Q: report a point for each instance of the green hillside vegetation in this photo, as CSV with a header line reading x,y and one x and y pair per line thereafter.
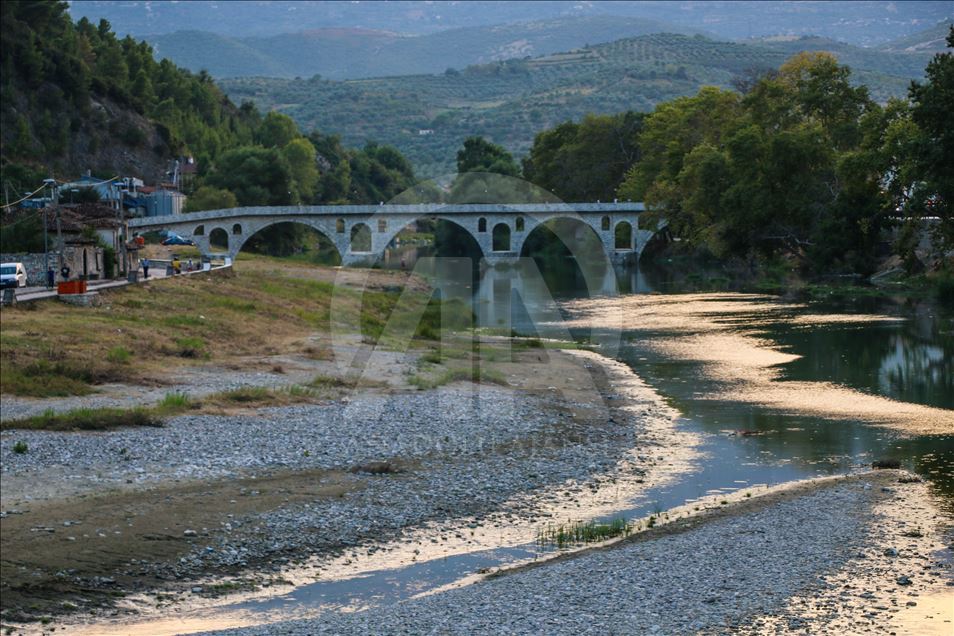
x,y
508,102
76,97
340,54
931,40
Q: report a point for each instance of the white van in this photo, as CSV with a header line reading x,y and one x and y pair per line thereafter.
x,y
12,275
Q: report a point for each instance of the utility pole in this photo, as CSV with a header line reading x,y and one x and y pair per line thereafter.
x,y
59,227
46,241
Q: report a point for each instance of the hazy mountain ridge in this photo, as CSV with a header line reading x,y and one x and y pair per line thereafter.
x,y
867,23
427,116
338,53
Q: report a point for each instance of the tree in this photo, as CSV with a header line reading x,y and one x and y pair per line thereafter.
x,y
300,155
209,198
585,161
256,175
276,130
480,155
932,112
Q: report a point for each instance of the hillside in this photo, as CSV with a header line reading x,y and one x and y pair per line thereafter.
x,y
337,53
509,102
75,98
860,22
930,40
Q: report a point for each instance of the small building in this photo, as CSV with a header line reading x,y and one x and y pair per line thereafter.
x,y
161,201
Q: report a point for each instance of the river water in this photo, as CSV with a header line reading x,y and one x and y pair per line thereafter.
x,y
773,390
898,350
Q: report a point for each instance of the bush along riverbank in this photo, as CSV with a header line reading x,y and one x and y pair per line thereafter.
x,y
681,270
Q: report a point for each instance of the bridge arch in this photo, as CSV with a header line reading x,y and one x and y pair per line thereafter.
x,y
237,229
218,237
323,229
501,237
360,241
570,250
474,238
199,231
623,236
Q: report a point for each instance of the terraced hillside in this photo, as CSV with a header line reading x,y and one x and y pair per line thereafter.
x,y
427,116
340,53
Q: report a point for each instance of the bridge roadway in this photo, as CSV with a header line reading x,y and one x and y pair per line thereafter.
x,y
361,233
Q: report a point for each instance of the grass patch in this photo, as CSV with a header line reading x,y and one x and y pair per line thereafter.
x,y
53,349
263,396
321,381
119,355
174,402
477,375
43,379
191,347
20,447
87,420
582,533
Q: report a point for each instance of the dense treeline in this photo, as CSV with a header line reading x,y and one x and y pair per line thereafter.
x,y
799,163
65,82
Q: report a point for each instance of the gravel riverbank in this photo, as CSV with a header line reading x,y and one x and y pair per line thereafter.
x,y
740,573
463,457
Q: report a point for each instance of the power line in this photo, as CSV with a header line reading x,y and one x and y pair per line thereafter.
x,y
9,205
87,185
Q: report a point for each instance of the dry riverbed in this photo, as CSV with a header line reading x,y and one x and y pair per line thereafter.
x,y
105,524
863,554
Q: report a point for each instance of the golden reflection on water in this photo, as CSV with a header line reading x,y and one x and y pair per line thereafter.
x,y
717,330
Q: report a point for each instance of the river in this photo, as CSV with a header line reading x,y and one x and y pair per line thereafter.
x,y
774,390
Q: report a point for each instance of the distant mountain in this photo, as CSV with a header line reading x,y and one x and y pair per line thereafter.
x,y
428,116
931,40
866,23
340,53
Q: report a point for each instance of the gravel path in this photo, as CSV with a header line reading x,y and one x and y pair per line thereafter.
x,y
720,577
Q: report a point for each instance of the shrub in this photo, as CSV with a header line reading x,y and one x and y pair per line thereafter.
x,y
119,355
20,447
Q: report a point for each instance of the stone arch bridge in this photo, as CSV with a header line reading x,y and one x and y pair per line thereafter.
x,y
361,233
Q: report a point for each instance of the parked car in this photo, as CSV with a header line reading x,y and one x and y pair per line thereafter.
x,y
175,239
13,275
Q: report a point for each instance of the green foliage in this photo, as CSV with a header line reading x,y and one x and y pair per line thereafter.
x,y
255,175
23,235
87,420
793,167
300,155
582,532
276,131
20,447
175,401
210,198
932,112
119,355
585,161
54,68
480,155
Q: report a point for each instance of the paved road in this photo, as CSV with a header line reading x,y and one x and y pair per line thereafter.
x,y
38,292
